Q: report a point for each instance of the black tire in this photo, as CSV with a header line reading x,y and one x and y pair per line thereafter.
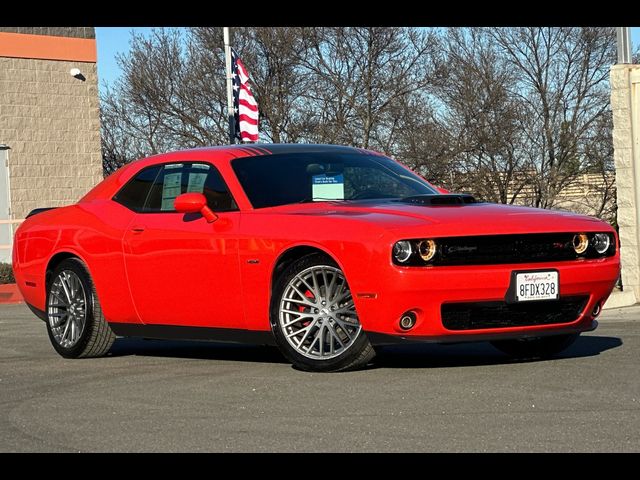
x,y
97,337
357,355
539,347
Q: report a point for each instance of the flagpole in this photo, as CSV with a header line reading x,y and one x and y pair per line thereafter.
x,y
230,112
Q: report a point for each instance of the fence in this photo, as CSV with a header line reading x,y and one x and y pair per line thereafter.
x,y
7,246
587,194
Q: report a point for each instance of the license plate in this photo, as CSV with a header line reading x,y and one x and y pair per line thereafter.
x,y
537,286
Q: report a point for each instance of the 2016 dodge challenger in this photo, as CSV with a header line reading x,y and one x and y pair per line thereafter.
x,y
326,251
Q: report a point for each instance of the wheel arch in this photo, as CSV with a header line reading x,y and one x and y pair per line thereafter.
x,y
293,253
56,260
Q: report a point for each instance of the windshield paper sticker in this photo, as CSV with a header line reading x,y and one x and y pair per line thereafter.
x,y
196,182
170,190
327,187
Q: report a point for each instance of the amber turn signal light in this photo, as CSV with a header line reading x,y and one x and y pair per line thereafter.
x,y
427,249
580,243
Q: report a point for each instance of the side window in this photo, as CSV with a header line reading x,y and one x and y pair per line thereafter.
x,y
165,189
178,178
134,194
215,190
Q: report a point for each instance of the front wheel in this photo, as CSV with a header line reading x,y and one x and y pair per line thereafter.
x,y
539,347
314,320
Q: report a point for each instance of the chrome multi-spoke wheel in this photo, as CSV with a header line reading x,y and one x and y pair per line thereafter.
x,y
314,317
67,308
75,323
317,313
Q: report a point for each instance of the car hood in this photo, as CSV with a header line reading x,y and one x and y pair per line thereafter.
x,y
451,220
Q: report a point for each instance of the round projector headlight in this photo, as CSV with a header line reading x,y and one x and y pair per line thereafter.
x,y
427,249
580,243
402,251
601,242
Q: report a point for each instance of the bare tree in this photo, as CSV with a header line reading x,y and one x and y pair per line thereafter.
x,y
171,95
563,84
358,75
482,117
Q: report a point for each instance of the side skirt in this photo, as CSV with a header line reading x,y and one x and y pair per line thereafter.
x,y
172,332
38,313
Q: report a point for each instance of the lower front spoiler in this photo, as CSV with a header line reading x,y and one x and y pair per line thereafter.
x,y
381,339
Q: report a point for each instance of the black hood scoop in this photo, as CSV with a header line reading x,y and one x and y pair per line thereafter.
x,y
437,200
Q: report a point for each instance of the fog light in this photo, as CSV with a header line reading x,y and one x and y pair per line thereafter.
x,y
408,320
402,251
601,242
427,249
580,243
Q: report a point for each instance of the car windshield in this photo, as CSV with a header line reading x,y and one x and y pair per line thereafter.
x,y
283,179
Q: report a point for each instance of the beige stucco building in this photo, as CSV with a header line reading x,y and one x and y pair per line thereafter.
x,y
49,119
625,105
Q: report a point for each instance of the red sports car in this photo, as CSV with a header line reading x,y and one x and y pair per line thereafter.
x,y
325,250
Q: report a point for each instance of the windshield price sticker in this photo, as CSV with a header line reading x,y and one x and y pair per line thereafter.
x,y
170,190
327,187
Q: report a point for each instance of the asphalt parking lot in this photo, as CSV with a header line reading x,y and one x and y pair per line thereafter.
x,y
170,396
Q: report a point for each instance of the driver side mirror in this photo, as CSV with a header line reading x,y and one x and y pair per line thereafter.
x,y
194,203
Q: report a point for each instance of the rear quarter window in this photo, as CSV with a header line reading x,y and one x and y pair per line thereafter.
x,y
134,194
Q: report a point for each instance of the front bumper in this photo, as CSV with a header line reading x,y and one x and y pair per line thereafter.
x,y
424,290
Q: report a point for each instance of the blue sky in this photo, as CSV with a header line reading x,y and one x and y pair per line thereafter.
x,y
114,40
111,41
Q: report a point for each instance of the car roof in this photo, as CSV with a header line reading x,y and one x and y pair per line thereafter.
x,y
258,149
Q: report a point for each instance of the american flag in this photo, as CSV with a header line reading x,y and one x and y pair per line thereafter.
x,y
245,106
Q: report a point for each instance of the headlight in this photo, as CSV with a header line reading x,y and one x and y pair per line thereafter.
x,y
580,243
402,251
601,242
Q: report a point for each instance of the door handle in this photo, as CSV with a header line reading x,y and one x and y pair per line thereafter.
x,y
138,229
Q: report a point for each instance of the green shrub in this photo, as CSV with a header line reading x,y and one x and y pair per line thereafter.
x,y
6,274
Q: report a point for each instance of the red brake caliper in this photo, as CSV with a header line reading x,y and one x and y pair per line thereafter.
x,y
301,308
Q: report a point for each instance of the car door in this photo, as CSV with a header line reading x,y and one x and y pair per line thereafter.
x,y
181,269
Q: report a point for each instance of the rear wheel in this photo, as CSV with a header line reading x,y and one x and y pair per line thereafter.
x,y
539,347
314,320
75,322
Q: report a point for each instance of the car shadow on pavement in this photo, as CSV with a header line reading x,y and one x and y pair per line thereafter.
x,y
398,356
476,354
195,350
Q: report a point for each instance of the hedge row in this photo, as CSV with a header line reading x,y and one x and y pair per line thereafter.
x,y
6,274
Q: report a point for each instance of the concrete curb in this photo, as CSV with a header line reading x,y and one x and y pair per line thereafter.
x,y
9,294
620,314
619,299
